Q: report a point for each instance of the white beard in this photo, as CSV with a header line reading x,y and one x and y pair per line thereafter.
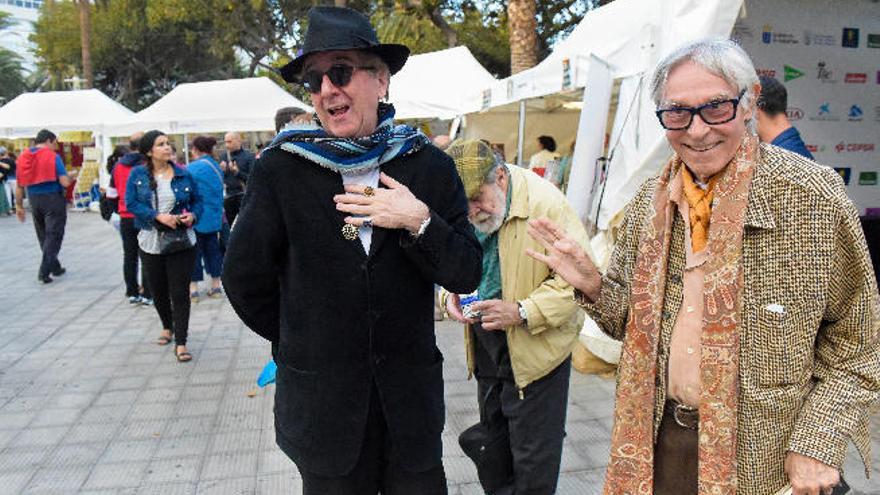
x,y
489,223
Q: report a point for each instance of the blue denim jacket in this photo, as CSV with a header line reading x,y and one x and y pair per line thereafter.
x,y
139,196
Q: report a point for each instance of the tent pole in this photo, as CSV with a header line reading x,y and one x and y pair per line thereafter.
x,y
521,132
186,148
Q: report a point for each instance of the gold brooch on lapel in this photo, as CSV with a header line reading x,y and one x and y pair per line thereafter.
x,y
349,232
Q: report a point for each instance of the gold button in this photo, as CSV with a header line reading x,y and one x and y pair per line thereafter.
x,y
690,309
690,350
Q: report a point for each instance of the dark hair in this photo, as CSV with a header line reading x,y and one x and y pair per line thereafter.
x,y
284,115
205,144
45,135
547,142
146,146
113,159
135,144
774,98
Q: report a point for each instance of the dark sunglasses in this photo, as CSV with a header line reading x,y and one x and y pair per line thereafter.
x,y
339,75
712,113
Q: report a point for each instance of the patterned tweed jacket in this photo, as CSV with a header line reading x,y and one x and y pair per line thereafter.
x,y
810,317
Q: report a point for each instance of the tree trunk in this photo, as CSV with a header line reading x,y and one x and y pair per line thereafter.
x,y
523,29
450,34
85,32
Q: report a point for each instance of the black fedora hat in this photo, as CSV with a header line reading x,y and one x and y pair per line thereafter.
x,y
341,28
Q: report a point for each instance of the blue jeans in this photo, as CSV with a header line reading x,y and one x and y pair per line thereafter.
x,y
208,256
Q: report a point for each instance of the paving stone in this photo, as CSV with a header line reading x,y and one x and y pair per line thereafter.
x,y
54,480
142,429
21,459
230,465
235,441
181,469
80,454
273,484
152,411
132,450
119,475
94,432
56,417
40,437
274,461
14,482
167,489
185,446
241,486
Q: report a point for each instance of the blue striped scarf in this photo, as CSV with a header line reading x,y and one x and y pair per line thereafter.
x,y
352,155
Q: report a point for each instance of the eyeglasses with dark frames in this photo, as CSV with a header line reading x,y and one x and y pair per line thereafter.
x,y
339,75
713,113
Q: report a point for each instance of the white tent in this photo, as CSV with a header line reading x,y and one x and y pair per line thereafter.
x,y
213,106
59,111
624,40
435,85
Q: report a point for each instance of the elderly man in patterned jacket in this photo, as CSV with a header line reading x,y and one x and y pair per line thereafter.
x,y
743,292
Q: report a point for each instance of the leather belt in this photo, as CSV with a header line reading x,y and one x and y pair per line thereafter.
x,y
684,416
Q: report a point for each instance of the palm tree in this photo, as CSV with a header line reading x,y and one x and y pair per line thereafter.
x,y
12,81
85,32
523,35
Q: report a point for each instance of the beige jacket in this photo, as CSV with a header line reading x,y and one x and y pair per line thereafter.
x,y
810,342
554,317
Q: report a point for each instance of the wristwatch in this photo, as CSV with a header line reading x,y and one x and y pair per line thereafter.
x,y
523,314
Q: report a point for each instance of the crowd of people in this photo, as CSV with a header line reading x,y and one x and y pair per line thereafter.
x,y
740,282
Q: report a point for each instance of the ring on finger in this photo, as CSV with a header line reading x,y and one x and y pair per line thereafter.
x,y
368,222
369,191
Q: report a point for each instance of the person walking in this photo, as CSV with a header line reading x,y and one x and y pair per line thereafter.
x,y
42,176
8,172
5,170
209,178
519,347
165,202
345,229
127,230
236,170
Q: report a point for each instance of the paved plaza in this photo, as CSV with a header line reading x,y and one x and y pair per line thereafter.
x,y
89,404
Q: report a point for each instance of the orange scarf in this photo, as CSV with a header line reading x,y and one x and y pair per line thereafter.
x,y
700,202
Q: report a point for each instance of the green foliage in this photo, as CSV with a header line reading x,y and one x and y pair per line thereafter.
x,y
140,49
12,78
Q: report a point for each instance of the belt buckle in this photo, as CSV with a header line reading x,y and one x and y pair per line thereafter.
x,y
681,408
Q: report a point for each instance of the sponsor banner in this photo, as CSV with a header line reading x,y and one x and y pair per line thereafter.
x,y
850,37
793,73
825,113
868,178
794,113
819,39
855,114
845,173
768,35
824,73
856,78
842,147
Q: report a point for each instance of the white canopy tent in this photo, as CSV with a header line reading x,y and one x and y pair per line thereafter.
x,y
435,85
624,40
59,111
213,106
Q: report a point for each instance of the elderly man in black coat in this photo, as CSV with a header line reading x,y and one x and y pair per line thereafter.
x,y
345,229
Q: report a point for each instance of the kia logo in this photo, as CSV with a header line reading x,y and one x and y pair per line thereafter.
x,y
794,113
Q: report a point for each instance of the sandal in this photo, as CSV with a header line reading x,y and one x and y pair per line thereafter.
x,y
164,339
183,357
215,292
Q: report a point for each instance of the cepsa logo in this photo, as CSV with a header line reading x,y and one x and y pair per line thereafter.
x,y
856,78
766,72
812,148
794,113
842,147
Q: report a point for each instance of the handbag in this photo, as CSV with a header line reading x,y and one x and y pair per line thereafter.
x,y
108,206
170,240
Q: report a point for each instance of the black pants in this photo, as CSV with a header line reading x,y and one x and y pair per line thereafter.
x,y
168,277
231,205
375,472
535,419
50,218
130,259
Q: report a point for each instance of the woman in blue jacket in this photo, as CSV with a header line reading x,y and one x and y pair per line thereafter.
x,y
165,198
209,180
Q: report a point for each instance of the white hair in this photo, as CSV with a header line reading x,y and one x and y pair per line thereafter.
x,y
721,57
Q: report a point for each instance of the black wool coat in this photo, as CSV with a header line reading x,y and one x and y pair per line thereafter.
x,y
341,320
